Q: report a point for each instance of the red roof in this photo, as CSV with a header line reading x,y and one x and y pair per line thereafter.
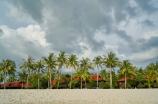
x,y
15,84
123,79
77,79
95,78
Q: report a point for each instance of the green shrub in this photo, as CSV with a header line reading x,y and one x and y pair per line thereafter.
x,y
156,85
91,83
140,86
88,85
103,85
127,86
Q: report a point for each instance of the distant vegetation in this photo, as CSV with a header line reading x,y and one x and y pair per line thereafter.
x,y
40,72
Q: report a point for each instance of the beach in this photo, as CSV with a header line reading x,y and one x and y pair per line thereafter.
x,y
79,96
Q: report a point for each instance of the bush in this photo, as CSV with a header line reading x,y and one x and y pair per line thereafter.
x,y
103,85
88,85
127,86
156,85
91,83
140,86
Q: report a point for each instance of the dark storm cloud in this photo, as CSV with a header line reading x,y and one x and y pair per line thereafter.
x,y
122,34
146,5
76,22
151,43
32,7
67,23
148,23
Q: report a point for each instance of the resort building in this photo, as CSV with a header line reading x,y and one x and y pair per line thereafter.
x,y
15,85
63,81
122,81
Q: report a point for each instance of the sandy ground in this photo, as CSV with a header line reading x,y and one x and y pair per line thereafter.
x,y
79,96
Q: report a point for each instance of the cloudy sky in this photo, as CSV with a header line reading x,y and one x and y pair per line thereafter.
x,y
87,28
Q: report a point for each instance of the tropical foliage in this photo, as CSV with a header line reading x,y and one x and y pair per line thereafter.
x,y
110,61
7,67
73,64
97,62
126,68
40,73
104,85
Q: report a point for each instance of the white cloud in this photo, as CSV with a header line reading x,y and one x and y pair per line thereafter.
x,y
147,55
25,41
150,34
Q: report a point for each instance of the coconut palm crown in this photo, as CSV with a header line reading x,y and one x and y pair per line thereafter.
x,y
8,67
110,61
50,63
125,68
97,61
62,60
28,64
72,63
39,65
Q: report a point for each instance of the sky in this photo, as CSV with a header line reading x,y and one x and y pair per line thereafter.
x,y
86,28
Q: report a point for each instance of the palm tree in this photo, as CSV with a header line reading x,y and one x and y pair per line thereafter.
x,y
51,63
103,74
28,64
61,62
111,61
82,74
126,67
39,65
8,66
22,76
72,63
86,64
152,71
97,61
12,78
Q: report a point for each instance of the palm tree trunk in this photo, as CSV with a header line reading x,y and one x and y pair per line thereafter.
x,y
59,78
81,82
27,78
71,79
27,82
50,77
97,76
110,78
48,83
22,84
38,78
156,78
58,81
85,82
5,80
125,80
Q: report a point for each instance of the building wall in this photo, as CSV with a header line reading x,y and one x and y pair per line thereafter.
x,y
120,84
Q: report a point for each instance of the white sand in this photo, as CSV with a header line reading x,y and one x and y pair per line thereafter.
x,y
78,96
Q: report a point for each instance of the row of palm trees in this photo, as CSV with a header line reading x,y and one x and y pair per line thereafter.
x,y
54,63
